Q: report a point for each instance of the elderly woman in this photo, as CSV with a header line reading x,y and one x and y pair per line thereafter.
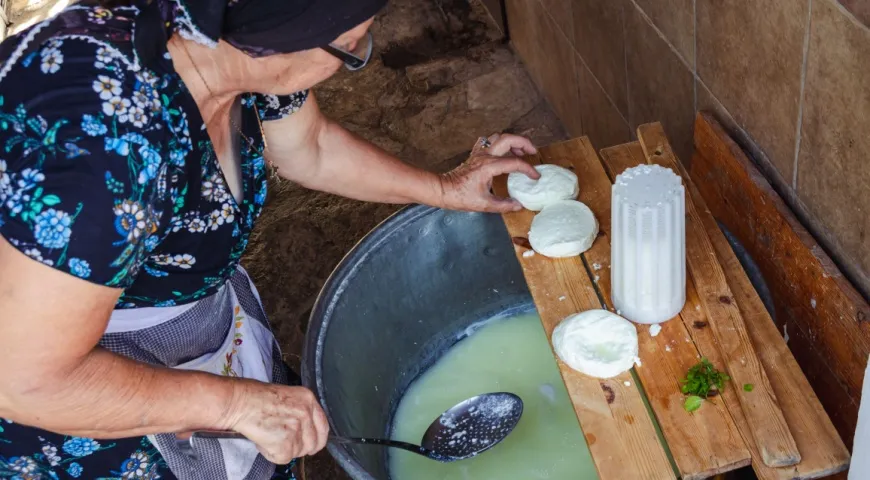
x,y
135,146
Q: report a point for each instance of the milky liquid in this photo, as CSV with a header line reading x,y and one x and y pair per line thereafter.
x,y
510,355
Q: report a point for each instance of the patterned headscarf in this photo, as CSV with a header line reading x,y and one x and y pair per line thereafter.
x,y
257,27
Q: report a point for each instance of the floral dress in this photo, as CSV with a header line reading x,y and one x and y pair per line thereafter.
x,y
107,173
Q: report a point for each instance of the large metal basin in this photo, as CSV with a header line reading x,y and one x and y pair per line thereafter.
x,y
401,297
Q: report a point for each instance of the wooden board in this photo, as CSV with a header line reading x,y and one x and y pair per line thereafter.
x,y
760,406
822,451
826,319
620,434
705,442
622,157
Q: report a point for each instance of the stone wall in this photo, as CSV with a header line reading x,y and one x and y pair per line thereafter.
x,y
789,78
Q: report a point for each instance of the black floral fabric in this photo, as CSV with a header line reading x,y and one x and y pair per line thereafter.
x,y
107,173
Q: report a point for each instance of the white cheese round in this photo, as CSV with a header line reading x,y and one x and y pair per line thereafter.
x,y
597,343
563,229
556,183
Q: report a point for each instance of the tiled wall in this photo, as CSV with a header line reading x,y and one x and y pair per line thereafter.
x,y
789,78
496,9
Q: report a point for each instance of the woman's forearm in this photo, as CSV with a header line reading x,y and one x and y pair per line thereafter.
x,y
109,396
349,166
317,153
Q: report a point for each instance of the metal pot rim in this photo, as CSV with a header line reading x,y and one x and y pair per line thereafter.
x,y
318,322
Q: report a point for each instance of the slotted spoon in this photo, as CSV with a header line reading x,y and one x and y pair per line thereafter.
x,y
468,429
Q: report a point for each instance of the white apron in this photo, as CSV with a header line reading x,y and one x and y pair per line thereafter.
x,y
860,469
224,334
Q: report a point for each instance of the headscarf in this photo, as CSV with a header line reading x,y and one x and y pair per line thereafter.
x,y
257,27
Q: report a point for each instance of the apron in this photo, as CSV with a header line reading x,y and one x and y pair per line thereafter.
x,y
225,334
860,469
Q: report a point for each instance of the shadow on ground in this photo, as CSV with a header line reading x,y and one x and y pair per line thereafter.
x,y
442,77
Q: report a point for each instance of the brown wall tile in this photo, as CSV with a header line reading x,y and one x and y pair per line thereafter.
x,y
750,54
525,24
707,102
549,58
598,26
833,174
859,8
602,122
560,81
676,20
523,28
495,11
561,12
660,86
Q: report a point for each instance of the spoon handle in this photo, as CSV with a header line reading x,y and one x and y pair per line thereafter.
x,y
218,435
336,439
385,443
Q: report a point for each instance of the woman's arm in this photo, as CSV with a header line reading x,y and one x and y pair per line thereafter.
x,y
53,376
317,153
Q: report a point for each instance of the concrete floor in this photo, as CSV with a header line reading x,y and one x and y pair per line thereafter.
x,y
442,76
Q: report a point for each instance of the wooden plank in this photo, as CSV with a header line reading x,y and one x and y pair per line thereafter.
x,y
622,157
760,407
823,452
825,318
703,443
621,437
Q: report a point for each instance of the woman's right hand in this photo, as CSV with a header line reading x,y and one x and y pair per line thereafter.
x,y
284,422
469,186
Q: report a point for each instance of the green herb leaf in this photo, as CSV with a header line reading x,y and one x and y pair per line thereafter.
x,y
703,380
748,387
50,200
693,403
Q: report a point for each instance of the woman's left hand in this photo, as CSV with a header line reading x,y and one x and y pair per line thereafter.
x,y
468,187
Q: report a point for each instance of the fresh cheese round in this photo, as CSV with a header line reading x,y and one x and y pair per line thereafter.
x,y
597,343
563,229
556,183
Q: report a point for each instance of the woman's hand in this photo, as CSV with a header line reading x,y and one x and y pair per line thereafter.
x,y
284,422
468,187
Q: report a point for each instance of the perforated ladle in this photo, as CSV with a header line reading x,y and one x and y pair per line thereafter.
x,y
469,428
